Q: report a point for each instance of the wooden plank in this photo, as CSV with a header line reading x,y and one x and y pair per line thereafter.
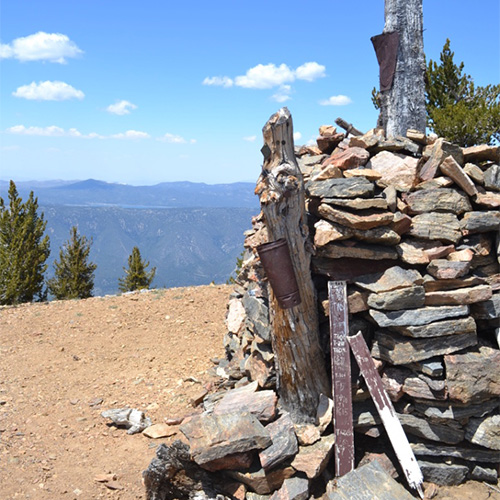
x,y
341,378
387,414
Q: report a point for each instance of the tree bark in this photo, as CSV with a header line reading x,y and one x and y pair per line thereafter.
x,y
402,107
300,365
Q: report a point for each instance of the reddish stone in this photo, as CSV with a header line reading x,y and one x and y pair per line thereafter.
x,y
326,144
401,223
446,269
454,171
313,459
473,376
262,404
350,158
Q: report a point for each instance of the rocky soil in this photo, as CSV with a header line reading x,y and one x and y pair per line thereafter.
x,y
63,363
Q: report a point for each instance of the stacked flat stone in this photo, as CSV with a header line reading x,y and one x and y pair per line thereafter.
x,y
413,226
425,218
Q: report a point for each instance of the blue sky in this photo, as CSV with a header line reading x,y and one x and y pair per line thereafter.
x,y
155,91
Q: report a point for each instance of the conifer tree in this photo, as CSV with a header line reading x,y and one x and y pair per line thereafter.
x,y
136,277
74,274
457,109
23,249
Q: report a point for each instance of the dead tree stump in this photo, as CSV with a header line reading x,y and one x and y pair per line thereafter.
x,y
402,100
300,366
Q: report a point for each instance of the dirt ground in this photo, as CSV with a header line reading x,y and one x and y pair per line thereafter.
x,y
63,363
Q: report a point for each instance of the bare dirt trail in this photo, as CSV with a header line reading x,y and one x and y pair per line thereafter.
x,y
63,363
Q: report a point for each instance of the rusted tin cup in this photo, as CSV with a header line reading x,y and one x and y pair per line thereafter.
x,y
275,258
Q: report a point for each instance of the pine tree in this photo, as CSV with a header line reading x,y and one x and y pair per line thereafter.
x,y
136,277
456,108
23,249
74,274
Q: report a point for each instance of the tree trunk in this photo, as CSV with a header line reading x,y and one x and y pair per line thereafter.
x,y
402,107
300,365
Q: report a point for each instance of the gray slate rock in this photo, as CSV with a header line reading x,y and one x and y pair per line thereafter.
x,y
445,412
415,317
470,454
358,203
434,367
294,488
492,178
257,316
489,309
358,251
434,432
443,474
487,474
438,200
368,482
480,222
391,279
400,350
213,437
438,328
284,443
484,432
310,161
395,300
436,226
341,188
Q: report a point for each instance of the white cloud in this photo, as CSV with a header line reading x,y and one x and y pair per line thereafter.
x,y
121,108
297,136
131,134
221,81
250,138
6,51
48,91
283,94
174,139
310,71
51,131
41,46
15,147
336,100
54,131
267,76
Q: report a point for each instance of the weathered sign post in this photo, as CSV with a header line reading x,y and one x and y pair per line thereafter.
x,y
300,366
341,378
387,414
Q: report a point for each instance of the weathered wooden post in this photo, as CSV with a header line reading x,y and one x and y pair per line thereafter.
x,y
300,366
400,53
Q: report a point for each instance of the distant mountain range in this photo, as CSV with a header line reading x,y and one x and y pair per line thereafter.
x,y
192,233
164,195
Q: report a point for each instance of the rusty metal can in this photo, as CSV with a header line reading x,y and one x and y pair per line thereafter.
x,y
277,263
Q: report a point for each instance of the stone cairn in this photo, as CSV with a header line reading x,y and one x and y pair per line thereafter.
x,y
413,226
